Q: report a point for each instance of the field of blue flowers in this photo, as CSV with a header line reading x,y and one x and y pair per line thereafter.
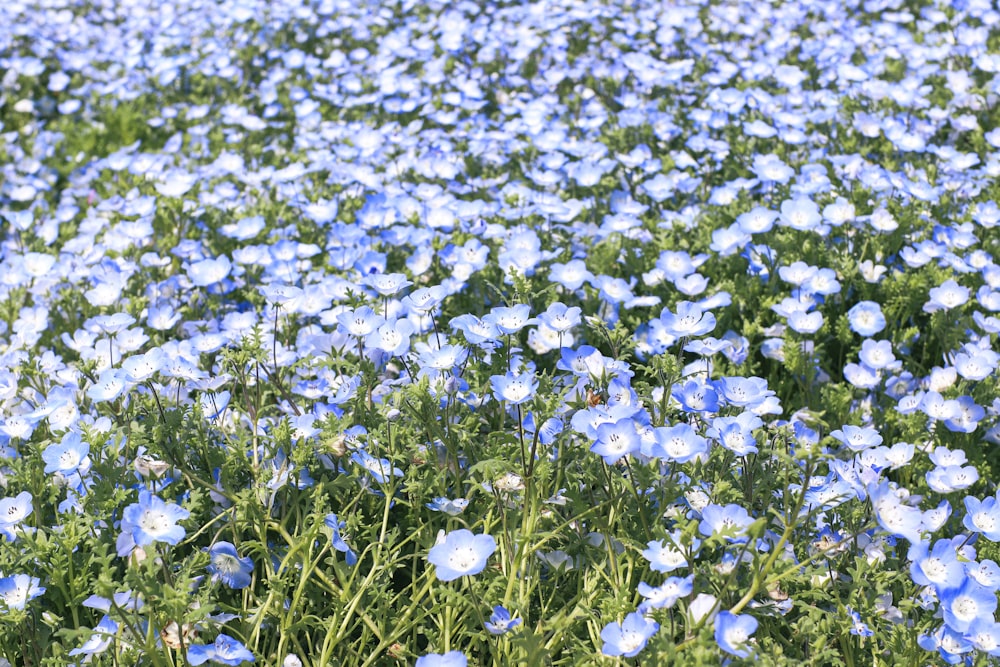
x,y
564,332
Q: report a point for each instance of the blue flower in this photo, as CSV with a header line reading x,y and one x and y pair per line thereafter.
x,y
857,438
338,543
696,396
387,284
983,517
736,433
359,322
100,641
381,469
666,594
461,553
984,633
17,590
680,443
616,440
450,659
514,388
150,520
110,385
733,631
67,456
730,522
226,651
12,512
858,627
228,567
946,296
866,318
209,271
893,516
501,622
510,320
961,606
689,321
668,555
629,637
448,506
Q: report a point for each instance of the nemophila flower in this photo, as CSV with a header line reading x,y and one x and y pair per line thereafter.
x,y
866,318
983,516
857,438
550,428
142,367
938,408
461,553
744,392
689,321
975,367
478,332
387,284
967,417
729,521
226,651
696,396
110,385
381,469
393,337
560,318
337,541
963,605
209,271
942,456
871,272
227,566
984,634
100,641
858,627
448,506
17,590
150,520
800,213
757,221
947,479
892,515
669,554
899,455
424,300
19,426
771,168
67,456
666,595
946,296
797,273
736,433
359,322
876,354
733,632
680,443
501,622
514,388
629,637
615,440
510,320
449,659
12,512
949,644
805,323
571,275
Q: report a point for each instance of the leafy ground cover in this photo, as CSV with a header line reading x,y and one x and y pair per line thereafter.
x,y
444,333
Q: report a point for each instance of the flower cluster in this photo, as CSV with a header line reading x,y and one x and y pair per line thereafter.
x,y
676,326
